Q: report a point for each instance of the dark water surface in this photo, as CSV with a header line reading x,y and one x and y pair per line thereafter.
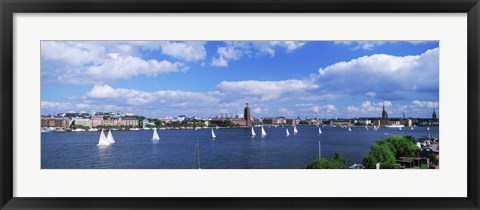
x,y
232,149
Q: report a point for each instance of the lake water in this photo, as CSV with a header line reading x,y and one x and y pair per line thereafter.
x,y
232,149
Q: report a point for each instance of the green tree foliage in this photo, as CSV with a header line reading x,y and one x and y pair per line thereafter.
x,y
339,158
323,163
388,150
380,153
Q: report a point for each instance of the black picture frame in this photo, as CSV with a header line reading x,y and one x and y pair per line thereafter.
x,y
9,7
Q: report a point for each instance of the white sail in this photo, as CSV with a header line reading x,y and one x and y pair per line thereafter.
x,y
253,132
428,128
366,127
349,129
288,133
213,134
263,132
411,128
110,137
102,141
295,131
155,135
399,128
319,131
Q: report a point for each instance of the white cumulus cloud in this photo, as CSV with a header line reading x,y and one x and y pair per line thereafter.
x,y
266,90
187,51
235,50
128,66
427,104
389,77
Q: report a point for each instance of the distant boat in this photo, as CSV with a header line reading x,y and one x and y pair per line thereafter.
x,y
49,130
155,135
295,131
92,129
110,137
366,127
411,128
319,131
213,134
400,128
253,132
134,129
349,129
263,132
103,141
78,130
428,128
216,127
288,133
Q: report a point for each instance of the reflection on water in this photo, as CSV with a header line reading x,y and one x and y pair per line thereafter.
x,y
231,149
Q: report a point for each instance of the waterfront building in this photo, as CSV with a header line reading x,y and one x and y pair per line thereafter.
x,y
289,121
97,122
113,121
280,121
54,122
246,114
239,121
128,121
83,122
267,121
344,122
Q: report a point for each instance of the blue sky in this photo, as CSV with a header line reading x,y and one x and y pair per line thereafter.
x,y
322,79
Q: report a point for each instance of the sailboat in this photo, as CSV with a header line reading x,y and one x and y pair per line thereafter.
x,y
288,133
349,129
213,134
155,135
253,132
319,131
110,137
400,128
428,128
103,141
366,127
411,128
263,132
295,131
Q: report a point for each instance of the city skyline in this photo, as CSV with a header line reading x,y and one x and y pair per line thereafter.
x,y
323,79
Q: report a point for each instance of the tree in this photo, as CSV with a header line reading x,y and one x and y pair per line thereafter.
x,y
388,150
380,153
339,158
323,163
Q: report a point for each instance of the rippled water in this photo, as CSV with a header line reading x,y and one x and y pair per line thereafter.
x,y
232,149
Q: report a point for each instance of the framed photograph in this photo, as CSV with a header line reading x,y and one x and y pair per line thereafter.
x,y
239,105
